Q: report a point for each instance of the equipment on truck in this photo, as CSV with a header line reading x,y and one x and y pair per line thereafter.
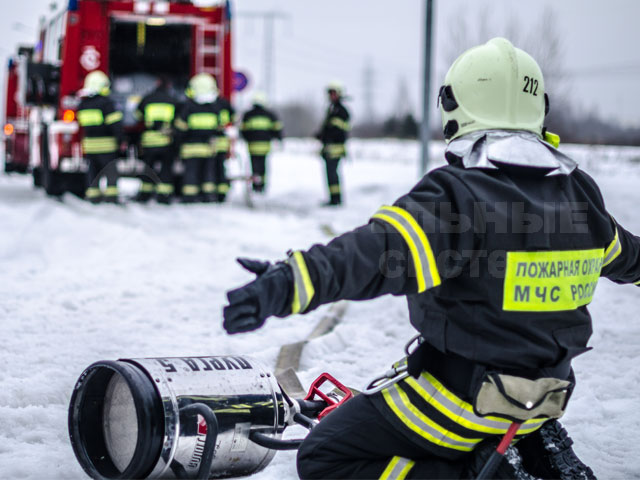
x,y
134,43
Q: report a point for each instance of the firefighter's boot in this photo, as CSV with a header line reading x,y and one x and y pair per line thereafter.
x,y
510,466
547,454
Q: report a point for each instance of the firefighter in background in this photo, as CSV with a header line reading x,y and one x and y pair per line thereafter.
x,y
223,147
260,126
498,275
333,136
101,131
198,126
157,110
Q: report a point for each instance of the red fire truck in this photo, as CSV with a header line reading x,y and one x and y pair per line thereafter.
x,y
134,42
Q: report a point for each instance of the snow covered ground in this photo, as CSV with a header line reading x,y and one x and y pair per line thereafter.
x,y
80,283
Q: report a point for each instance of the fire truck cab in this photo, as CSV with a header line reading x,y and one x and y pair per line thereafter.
x,y
134,42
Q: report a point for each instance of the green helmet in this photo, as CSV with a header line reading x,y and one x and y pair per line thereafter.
x,y
97,82
202,84
494,86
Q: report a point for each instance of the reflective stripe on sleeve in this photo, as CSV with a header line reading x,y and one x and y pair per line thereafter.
x,y
613,250
181,124
397,469
419,246
257,123
340,123
422,425
334,150
113,117
303,290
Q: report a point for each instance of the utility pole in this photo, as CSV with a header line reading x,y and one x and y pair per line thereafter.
x,y
368,80
425,130
268,17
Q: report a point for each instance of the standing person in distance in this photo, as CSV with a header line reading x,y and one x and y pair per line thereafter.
x,y
333,135
157,110
101,131
498,271
198,127
223,147
259,127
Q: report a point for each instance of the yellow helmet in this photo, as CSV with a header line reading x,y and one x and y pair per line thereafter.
x,y
335,86
202,84
494,86
260,98
97,82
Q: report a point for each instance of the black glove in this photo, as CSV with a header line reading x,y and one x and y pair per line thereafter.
x,y
269,294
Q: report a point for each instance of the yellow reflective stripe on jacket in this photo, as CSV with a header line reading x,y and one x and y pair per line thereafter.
x,y
613,250
196,150
335,150
181,124
340,123
425,427
257,123
90,117
202,121
99,144
419,246
551,281
276,126
159,112
154,138
112,118
222,144
446,402
303,290
225,117
397,469
259,148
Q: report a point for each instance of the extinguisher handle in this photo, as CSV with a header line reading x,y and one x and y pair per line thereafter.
x,y
332,403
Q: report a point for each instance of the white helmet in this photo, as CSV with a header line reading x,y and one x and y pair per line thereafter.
x,y
96,82
493,86
260,98
202,84
335,86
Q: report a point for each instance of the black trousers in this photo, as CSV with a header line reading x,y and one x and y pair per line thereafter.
x,y
102,164
192,179
259,170
333,179
159,172
355,441
220,175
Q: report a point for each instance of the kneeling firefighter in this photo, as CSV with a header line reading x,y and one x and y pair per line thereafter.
x,y
101,132
497,275
198,126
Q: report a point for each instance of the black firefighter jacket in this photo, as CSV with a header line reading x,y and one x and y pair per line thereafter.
x,y
101,125
497,265
334,131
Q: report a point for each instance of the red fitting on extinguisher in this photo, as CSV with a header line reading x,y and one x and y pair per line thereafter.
x,y
332,403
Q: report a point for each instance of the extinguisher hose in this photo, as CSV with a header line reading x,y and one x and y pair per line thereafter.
x,y
274,443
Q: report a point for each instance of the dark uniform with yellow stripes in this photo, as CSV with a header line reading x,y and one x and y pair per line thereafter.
x,y
223,148
198,127
498,262
158,111
333,136
259,127
101,130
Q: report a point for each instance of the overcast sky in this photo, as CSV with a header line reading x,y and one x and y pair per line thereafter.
x,y
317,41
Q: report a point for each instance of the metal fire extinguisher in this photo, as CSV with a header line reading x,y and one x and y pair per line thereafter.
x,y
188,417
